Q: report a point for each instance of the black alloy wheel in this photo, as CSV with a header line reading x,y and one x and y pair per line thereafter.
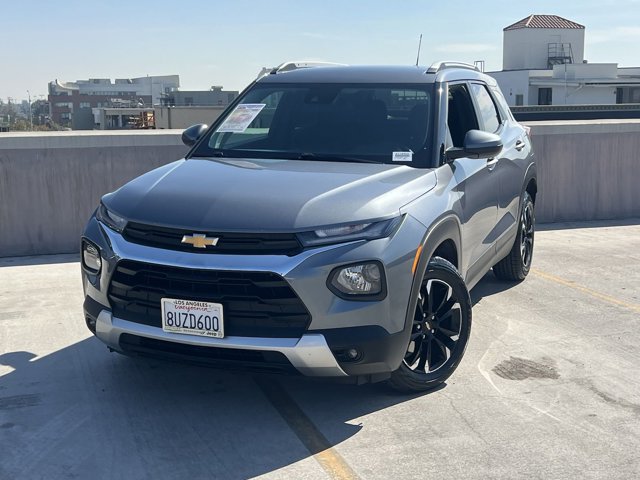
x,y
526,236
440,330
436,327
516,265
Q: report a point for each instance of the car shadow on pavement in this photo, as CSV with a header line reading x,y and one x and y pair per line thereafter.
x,y
489,285
84,412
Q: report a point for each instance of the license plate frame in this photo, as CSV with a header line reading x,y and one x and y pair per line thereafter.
x,y
192,317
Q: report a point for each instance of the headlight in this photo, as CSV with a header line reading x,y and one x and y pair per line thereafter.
x,y
91,257
110,219
364,281
347,233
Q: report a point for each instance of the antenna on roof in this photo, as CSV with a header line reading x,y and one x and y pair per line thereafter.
x,y
419,45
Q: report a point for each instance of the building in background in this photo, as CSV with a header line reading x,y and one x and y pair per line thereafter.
x,y
151,118
134,103
183,117
177,109
71,103
123,118
214,97
543,64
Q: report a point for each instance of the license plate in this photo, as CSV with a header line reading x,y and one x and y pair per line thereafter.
x,y
191,317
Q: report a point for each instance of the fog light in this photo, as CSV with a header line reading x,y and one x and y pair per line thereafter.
x,y
358,279
352,354
91,323
91,257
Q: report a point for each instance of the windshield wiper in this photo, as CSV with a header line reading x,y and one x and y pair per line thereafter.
x,y
332,158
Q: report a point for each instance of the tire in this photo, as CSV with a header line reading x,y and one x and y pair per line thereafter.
x,y
440,332
515,266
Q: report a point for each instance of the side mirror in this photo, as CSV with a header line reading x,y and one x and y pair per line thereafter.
x,y
477,144
191,135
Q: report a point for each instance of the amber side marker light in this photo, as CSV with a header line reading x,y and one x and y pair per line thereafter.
x,y
416,259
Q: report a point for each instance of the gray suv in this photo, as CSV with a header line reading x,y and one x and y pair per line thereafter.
x,y
331,223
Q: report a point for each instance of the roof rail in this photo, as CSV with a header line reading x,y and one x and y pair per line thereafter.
x,y
437,66
289,66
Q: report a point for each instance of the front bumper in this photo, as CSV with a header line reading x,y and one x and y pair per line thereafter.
x,y
377,329
310,355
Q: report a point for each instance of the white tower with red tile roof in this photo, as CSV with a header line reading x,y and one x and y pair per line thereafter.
x,y
541,41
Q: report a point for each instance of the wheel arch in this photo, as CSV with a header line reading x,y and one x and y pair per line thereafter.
x,y
530,184
532,189
443,239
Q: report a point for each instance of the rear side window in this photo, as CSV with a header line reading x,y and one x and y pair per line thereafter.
x,y
487,109
503,106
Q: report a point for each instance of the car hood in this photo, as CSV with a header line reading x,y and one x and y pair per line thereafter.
x,y
217,194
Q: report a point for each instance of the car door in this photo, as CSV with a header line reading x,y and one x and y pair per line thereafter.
x,y
476,186
509,171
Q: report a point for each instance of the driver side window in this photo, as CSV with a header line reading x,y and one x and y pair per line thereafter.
x,y
461,116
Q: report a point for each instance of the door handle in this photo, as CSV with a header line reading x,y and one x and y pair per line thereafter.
x,y
520,145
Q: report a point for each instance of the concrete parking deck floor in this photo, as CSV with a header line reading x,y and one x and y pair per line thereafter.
x,y
549,388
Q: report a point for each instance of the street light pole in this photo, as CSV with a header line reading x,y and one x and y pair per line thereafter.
x,y
30,113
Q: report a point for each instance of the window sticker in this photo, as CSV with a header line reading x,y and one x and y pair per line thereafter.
x,y
241,117
402,156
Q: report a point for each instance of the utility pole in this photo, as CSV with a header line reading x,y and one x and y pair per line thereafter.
x,y
9,115
30,113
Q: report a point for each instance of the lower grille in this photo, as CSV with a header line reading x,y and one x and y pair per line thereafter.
x,y
255,304
228,358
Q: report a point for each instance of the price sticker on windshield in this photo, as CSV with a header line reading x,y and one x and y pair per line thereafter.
x,y
241,117
402,156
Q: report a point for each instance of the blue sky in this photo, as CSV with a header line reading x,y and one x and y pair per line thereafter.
x,y
227,42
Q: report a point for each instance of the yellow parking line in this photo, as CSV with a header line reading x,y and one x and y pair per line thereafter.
x,y
601,296
317,444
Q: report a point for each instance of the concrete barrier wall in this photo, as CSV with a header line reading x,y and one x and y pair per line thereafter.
x,y
587,169
51,182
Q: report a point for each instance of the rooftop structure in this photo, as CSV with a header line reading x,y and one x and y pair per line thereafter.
x,y
544,21
71,102
541,41
215,96
543,64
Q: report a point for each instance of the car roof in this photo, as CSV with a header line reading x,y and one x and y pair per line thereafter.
x,y
410,74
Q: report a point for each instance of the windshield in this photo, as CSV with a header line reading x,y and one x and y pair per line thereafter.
x,y
339,122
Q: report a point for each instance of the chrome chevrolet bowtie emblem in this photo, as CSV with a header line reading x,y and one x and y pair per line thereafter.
x,y
200,240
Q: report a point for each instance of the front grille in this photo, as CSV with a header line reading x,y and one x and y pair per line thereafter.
x,y
228,243
255,304
255,360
